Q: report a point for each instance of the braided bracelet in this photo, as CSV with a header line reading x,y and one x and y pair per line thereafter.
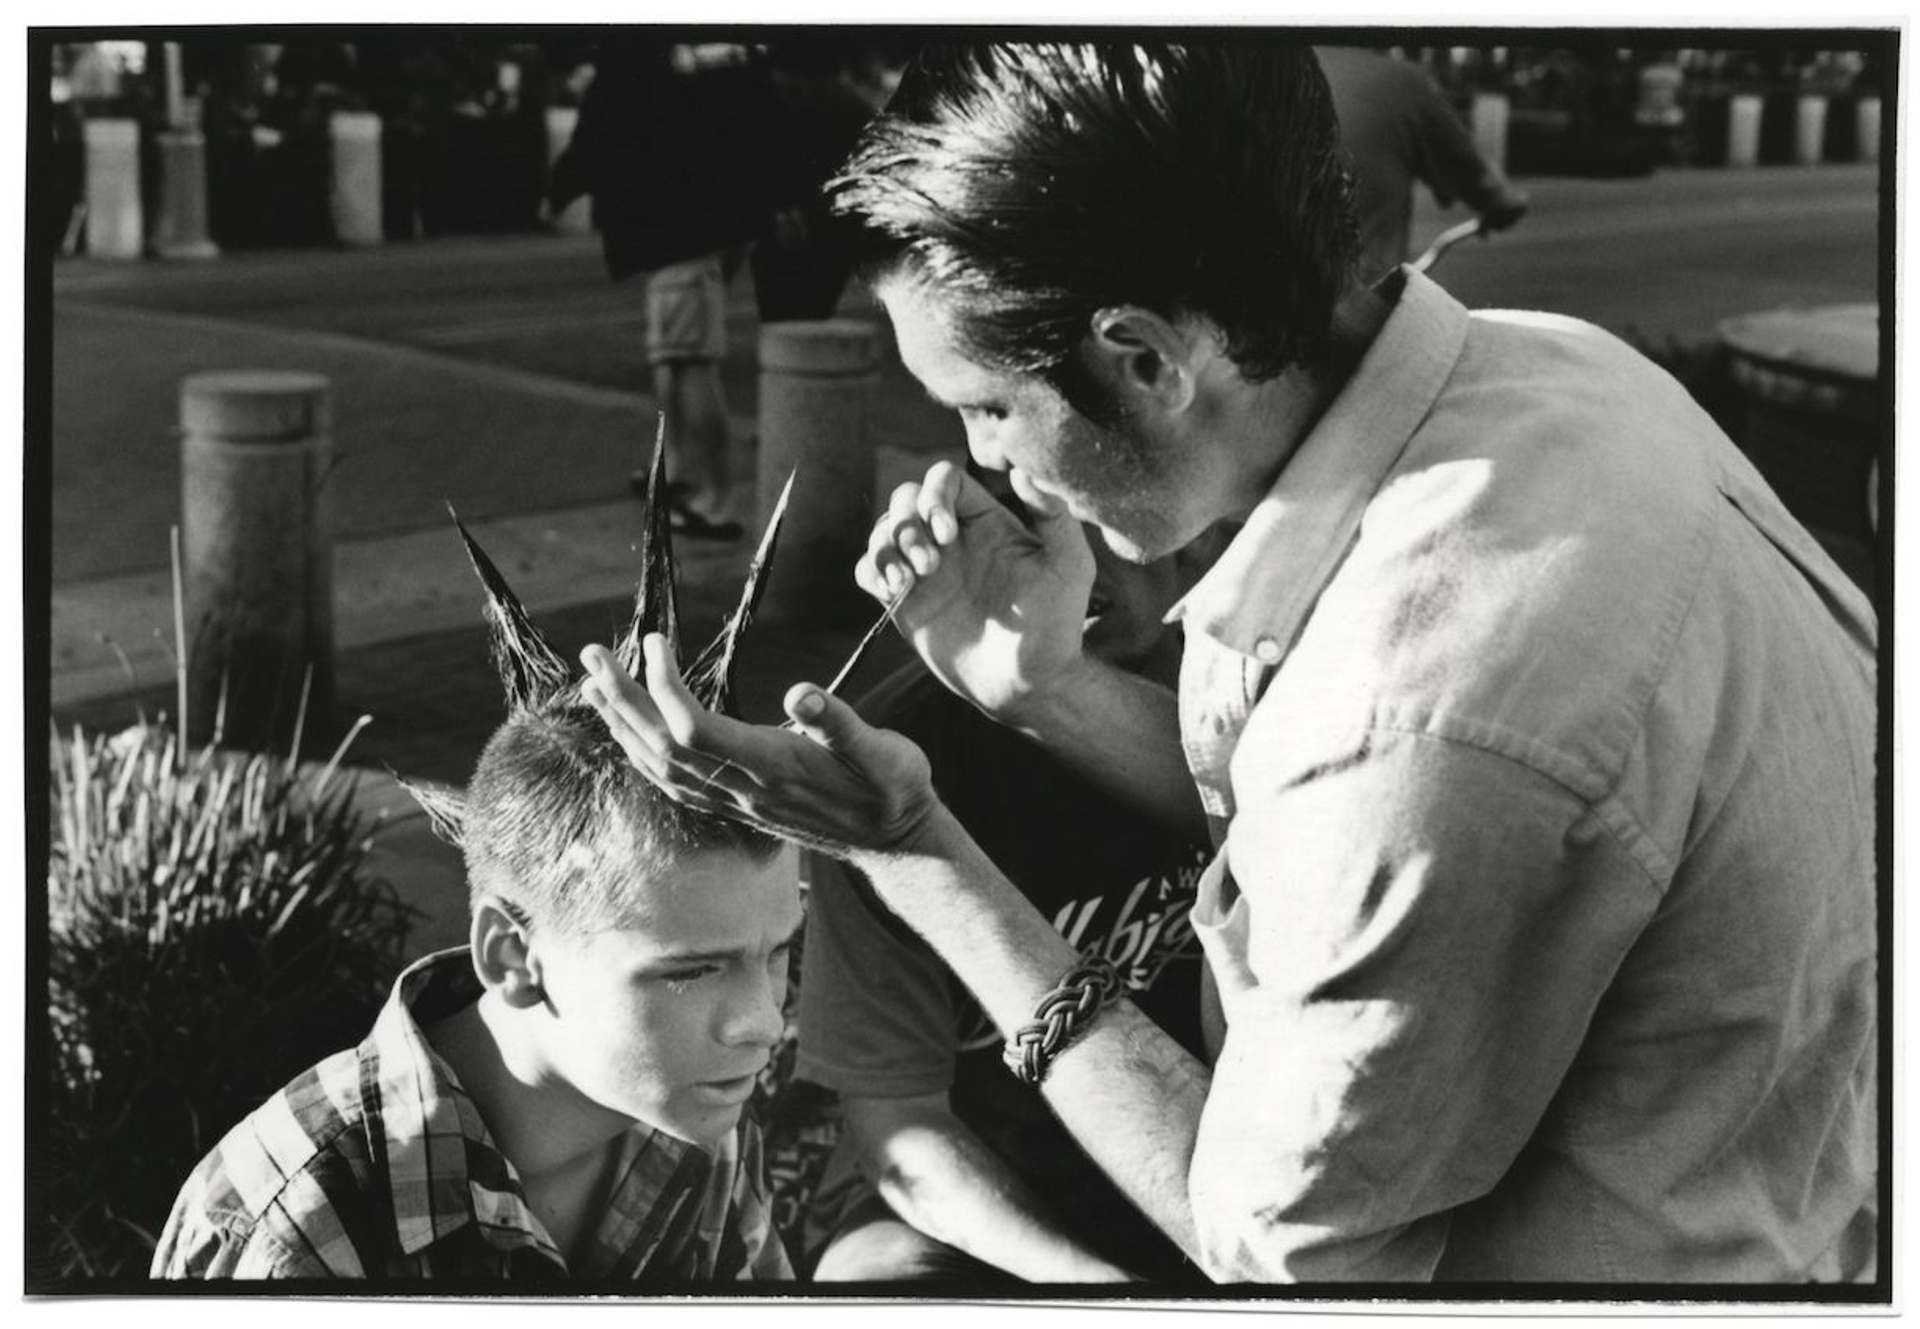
x,y
1059,1018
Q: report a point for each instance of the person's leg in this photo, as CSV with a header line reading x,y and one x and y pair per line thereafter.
x,y
686,337
872,1244
698,437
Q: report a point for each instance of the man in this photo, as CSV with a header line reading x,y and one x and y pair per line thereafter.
x,y
1535,737
948,1169
1396,128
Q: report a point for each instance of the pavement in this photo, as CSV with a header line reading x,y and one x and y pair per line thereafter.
x,y
500,374
535,461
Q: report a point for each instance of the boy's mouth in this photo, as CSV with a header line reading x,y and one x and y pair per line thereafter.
x,y
739,1088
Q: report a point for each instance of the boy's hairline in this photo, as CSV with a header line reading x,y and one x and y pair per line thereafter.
x,y
617,912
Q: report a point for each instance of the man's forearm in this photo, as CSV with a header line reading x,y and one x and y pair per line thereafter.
x,y
939,1177
1122,732
1128,1093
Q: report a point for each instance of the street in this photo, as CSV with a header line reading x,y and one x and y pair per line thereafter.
x,y
1673,255
1667,256
501,374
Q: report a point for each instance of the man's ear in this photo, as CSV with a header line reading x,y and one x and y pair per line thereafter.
x,y
503,954
1141,355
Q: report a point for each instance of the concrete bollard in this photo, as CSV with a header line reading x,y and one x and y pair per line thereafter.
x,y
1490,113
1743,129
116,225
1809,129
257,553
816,387
355,192
577,217
180,231
1866,134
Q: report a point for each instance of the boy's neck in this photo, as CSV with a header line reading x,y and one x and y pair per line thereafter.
x,y
543,1125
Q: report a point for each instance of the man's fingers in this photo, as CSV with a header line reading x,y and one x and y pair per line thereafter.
x,y
680,712
938,499
904,502
638,751
643,734
908,530
891,573
656,738
867,576
628,710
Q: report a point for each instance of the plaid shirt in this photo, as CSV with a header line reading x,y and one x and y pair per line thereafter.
x,y
376,1164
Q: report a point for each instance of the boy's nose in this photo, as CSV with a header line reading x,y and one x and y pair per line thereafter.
x,y
755,1018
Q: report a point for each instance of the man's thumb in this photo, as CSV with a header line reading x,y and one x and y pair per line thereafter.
x,y
827,720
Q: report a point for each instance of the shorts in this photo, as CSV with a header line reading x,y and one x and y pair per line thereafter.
x,y
686,312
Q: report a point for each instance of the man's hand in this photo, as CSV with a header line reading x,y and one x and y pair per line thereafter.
x,y
995,608
942,1180
836,785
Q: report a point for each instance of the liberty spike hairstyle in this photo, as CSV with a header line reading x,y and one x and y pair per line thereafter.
x,y
552,787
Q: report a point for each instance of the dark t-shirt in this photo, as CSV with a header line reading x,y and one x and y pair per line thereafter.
x,y
882,1016
679,145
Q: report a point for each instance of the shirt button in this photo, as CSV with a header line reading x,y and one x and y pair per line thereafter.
x,y
1267,650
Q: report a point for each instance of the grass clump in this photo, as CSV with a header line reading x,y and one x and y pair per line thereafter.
x,y
212,931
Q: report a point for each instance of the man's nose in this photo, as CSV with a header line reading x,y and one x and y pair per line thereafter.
x,y
986,454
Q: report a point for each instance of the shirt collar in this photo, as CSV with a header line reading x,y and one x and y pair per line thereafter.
x,y
1255,598
419,1107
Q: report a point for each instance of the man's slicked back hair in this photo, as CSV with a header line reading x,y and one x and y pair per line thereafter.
x,y
560,824
1030,185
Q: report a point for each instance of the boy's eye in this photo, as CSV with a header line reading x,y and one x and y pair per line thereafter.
x,y
680,978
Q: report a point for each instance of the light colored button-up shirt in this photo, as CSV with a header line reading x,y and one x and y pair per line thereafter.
x,y
1539,742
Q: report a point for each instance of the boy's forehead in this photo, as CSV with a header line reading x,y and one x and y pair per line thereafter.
x,y
715,899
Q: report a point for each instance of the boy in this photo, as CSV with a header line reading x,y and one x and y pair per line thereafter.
x,y
563,1098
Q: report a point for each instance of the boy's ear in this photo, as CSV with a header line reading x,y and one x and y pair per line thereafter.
x,y
503,953
1141,354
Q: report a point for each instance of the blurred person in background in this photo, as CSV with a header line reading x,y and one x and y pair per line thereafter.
x,y
1396,129
826,90
677,143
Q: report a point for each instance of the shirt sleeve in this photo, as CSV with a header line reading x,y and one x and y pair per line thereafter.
x,y
877,1016
1412,935
196,1246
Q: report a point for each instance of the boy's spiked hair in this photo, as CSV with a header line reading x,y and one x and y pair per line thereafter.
x,y
556,819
